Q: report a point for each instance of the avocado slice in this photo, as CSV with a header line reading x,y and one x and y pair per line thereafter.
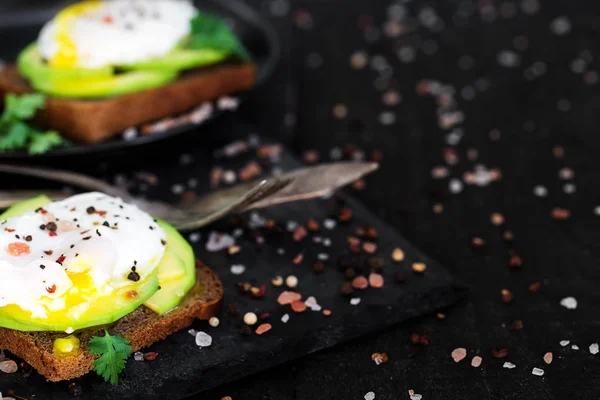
x,y
32,66
25,206
180,59
127,82
178,256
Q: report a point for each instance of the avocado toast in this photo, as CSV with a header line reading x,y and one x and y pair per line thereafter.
x,y
92,268
109,65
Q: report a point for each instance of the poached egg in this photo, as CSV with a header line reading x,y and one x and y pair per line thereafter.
x,y
94,34
64,255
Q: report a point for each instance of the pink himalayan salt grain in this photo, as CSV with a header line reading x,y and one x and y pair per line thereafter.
x,y
548,357
288,297
476,361
459,354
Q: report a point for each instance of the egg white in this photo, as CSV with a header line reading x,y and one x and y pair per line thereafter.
x,y
83,244
115,32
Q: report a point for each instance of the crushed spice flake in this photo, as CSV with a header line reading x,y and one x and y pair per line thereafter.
x,y
379,358
506,296
560,214
499,353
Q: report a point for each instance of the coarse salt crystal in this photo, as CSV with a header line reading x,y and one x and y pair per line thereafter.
x,y
509,365
355,301
574,347
476,361
323,256
192,332
416,396
203,339
329,223
537,371
138,356
280,251
540,191
564,343
369,396
8,366
291,225
548,358
177,188
238,269
218,241
455,186
569,303
227,103
238,232
130,133
459,354
594,348
285,318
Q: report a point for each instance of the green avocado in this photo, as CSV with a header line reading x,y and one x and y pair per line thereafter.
x,y
32,66
180,59
25,206
178,270
128,82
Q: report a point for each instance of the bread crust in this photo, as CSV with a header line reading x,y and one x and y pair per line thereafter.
x,y
142,328
94,120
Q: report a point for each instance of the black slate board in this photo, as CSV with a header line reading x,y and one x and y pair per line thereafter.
x,y
183,369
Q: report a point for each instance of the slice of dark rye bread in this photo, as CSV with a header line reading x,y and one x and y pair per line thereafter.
x,y
142,328
93,120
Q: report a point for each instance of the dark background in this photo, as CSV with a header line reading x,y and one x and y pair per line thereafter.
x,y
546,98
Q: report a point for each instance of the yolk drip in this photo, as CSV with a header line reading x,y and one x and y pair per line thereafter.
x,y
67,346
66,55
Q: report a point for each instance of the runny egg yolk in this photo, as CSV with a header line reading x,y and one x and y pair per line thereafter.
x,y
66,54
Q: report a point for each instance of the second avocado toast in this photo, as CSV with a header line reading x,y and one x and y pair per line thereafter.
x,y
57,334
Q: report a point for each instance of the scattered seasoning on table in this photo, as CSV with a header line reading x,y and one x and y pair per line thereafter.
x,y
291,281
419,267
476,361
499,353
506,296
263,328
250,318
459,354
569,303
379,358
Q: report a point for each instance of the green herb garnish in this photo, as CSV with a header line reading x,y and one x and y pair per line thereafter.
x,y
17,134
210,31
113,351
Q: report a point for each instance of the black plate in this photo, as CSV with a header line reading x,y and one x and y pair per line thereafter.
x,y
21,28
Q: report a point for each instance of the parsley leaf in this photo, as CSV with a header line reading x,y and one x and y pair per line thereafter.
x,y
22,107
113,351
210,31
17,134
41,142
